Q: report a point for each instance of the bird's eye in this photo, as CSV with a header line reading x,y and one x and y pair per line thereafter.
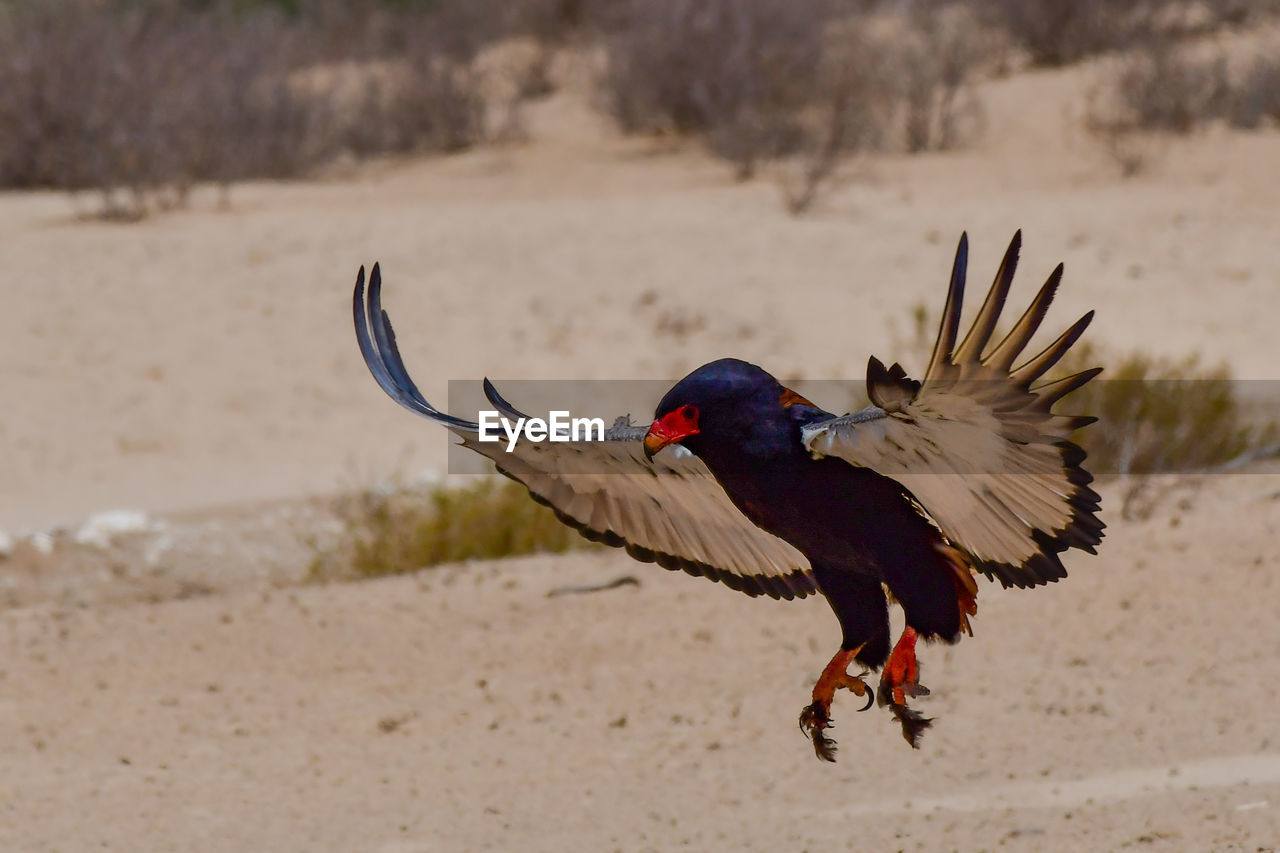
x,y
689,413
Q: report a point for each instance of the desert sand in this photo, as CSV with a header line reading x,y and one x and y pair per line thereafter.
x,y
181,689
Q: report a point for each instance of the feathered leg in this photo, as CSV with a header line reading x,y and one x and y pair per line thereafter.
x,y
859,603
901,675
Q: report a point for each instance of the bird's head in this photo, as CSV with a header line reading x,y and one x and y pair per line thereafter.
x,y
727,403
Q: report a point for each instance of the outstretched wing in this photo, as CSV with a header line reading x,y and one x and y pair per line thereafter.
x,y
670,511
977,443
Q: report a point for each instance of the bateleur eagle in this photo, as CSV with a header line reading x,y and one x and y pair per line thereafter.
x,y
966,471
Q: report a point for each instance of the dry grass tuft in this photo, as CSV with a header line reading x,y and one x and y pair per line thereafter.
x,y
404,530
1160,415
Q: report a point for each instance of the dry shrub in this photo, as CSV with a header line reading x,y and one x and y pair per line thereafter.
x,y
145,101
850,113
141,101
762,80
1256,95
1159,415
1162,88
932,63
899,83
403,530
1059,32
732,70
426,102
1154,89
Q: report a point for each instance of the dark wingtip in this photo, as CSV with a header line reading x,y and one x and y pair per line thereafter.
x,y
1014,252
949,327
375,291
500,402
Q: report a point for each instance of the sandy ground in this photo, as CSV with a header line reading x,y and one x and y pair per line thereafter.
x,y
462,709
200,366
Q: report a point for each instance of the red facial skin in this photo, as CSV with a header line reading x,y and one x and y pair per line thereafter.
x,y
681,423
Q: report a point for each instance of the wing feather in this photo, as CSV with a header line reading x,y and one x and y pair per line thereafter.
x,y
980,333
1002,357
977,445
949,326
1040,364
668,511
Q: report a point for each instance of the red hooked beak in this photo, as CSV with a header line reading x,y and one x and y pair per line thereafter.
x,y
681,423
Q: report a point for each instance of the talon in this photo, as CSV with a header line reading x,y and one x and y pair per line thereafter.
x,y
817,716
813,719
871,700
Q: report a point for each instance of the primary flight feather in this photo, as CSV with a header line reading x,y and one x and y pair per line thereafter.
x,y
969,470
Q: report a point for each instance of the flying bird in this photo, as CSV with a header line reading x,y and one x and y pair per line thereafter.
x,y
743,481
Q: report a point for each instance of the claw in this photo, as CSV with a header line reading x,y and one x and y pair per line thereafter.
x,y
813,719
817,716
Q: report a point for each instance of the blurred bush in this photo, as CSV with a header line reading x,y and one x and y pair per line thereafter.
x,y
1060,32
1158,415
139,101
762,80
737,71
1168,88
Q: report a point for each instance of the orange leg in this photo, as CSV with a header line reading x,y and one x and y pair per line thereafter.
x,y
901,675
899,679
817,716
